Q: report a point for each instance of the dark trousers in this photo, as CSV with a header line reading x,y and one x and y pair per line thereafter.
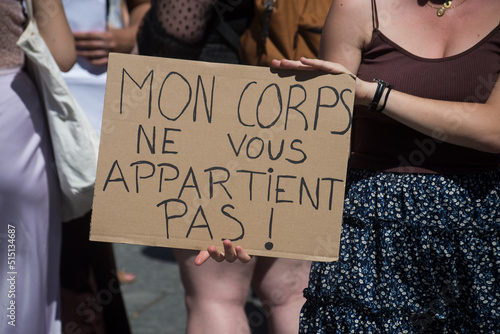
x,y
91,299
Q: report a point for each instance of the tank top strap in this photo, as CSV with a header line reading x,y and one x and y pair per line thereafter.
x,y
374,15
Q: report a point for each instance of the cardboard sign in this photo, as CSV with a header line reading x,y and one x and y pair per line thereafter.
x,y
193,153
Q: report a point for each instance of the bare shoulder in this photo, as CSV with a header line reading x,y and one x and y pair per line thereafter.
x,y
348,29
353,17
353,8
357,5
350,21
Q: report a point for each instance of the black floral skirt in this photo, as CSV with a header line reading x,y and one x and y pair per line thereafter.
x,y
420,253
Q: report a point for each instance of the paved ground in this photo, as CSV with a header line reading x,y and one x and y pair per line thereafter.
x,y
155,301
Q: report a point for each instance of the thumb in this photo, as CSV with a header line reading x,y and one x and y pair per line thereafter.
x,y
201,258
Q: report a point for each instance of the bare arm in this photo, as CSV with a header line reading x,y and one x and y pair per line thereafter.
x,y
137,9
54,28
472,125
126,37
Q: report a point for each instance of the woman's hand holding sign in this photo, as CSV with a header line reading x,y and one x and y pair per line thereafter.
x,y
231,253
364,90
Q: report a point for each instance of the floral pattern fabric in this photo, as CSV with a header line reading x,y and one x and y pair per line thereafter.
x,y
420,253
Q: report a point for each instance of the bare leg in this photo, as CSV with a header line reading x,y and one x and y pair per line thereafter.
x,y
216,294
279,283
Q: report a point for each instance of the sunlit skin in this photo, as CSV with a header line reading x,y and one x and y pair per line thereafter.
x,y
55,31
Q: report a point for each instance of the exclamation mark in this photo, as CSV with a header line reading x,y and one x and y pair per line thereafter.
x,y
269,245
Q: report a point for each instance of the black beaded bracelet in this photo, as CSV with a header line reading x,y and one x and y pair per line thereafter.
x,y
381,85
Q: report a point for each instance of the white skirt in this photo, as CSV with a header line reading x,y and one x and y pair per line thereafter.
x,y
30,224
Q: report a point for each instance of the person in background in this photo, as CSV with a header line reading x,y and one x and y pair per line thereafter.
x,y
30,212
216,293
420,250
91,298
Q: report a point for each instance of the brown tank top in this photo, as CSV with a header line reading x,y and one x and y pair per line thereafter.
x,y
381,143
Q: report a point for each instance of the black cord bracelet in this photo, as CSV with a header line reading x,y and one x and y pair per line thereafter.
x,y
381,85
389,88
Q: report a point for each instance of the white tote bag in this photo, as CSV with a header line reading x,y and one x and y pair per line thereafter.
x,y
74,140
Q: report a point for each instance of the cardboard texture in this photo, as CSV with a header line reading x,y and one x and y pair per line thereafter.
x,y
193,153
